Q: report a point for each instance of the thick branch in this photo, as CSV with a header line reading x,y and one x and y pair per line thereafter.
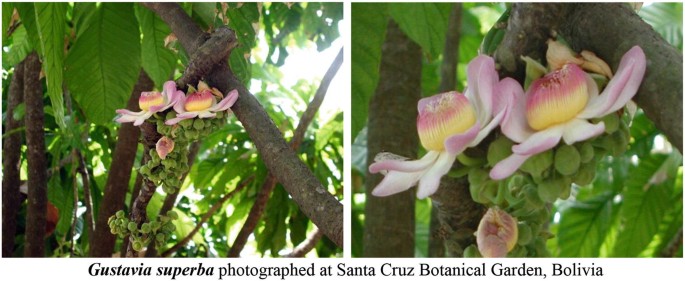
x,y
268,186
217,48
215,207
11,153
119,174
37,162
139,208
588,26
320,206
389,223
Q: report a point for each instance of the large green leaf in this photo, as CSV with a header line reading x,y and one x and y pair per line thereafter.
x,y
368,33
51,18
28,19
19,48
158,61
425,23
242,18
104,62
583,226
7,10
82,13
645,198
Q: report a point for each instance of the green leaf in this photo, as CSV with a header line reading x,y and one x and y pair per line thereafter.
x,y
82,13
644,205
104,62
583,226
425,23
667,20
368,33
19,49
7,10
51,21
324,134
241,19
184,225
158,61
28,18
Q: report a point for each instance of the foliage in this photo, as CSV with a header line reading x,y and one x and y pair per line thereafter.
x,y
92,56
632,207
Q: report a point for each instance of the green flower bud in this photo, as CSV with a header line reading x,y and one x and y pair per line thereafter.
x,y
145,228
567,160
537,164
186,123
499,150
550,190
172,214
198,124
611,122
525,235
121,214
587,152
132,226
586,174
160,237
170,115
137,246
472,252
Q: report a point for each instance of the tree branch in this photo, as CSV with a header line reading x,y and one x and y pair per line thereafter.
x,y
11,160
119,174
389,221
215,207
307,245
320,206
36,156
88,199
586,26
268,186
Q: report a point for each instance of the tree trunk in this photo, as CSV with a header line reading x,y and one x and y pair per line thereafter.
x,y
389,224
119,174
37,161
11,148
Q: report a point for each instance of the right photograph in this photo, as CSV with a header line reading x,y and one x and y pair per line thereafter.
x,y
517,130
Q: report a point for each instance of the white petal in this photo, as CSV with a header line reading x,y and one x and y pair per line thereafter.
x,y
396,182
580,129
540,141
430,181
508,166
396,164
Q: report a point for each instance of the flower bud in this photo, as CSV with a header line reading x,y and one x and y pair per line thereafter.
x,y
497,233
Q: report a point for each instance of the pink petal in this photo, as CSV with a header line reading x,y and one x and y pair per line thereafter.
x,y
396,182
128,112
405,166
205,114
180,104
169,88
142,119
580,130
227,102
430,181
621,88
456,144
180,117
485,131
481,80
508,166
514,125
540,141
492,246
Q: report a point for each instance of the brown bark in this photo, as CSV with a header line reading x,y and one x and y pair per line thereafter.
x,y
588,26
306,190
307,245
268,186
37,161
389,223
11,153
119,174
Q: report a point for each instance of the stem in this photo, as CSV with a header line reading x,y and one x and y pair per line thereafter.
x,y
11,160
36,156
307,245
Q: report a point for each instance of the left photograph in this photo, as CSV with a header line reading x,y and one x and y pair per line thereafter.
x,y
172,129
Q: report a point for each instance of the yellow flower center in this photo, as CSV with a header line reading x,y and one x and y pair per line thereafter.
x,y
442,116
557,97
149,99
199,101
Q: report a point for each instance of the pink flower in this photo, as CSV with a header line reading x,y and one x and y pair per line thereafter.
x,y
447,124
202,104
497,234
559,105
164,147
151,103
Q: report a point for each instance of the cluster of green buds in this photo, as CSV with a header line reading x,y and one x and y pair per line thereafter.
x,y
159,230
